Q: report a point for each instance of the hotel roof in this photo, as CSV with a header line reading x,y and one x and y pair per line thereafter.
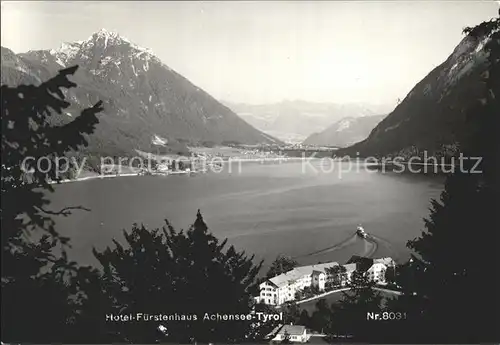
x,y
292,329
386,261
299,272
350,267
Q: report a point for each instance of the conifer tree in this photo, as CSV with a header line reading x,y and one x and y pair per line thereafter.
x,y
291,313
322,317
38,291
350,313
281,265
185,273
458,289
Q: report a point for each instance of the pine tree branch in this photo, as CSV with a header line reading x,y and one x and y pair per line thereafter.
x,y
64,212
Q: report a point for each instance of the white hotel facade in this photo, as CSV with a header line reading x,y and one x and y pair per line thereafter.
x,y
282,288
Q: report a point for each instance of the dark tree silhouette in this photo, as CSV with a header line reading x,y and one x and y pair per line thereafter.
x,y
322,317
280,265
38,286
291,313
390,275
304,319
457,291
350,313
163,271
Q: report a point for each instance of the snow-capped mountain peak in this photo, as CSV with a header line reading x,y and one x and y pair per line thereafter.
x,y
105,33
107,37
114,38
66,52
98,45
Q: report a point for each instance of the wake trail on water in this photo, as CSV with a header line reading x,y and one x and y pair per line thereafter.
x,y
382,240
386,244
337,246
370,248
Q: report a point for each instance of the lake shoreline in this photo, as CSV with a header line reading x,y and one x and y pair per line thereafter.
x,y
249,160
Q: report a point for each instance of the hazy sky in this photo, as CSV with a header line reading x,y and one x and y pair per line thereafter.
x,y
261,52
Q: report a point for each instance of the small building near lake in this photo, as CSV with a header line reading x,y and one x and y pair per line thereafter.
x,y
295,333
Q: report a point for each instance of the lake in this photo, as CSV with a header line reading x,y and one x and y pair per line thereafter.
x,y
309,212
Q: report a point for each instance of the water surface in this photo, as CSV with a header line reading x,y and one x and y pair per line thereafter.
x,y
265,209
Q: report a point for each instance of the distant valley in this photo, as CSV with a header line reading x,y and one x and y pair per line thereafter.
x,y
294,121
345,132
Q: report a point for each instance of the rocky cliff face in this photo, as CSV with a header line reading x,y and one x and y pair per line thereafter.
x,y
432,117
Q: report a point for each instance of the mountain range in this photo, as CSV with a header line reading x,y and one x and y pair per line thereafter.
x,y
294,121
147,105
433,117
345,132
